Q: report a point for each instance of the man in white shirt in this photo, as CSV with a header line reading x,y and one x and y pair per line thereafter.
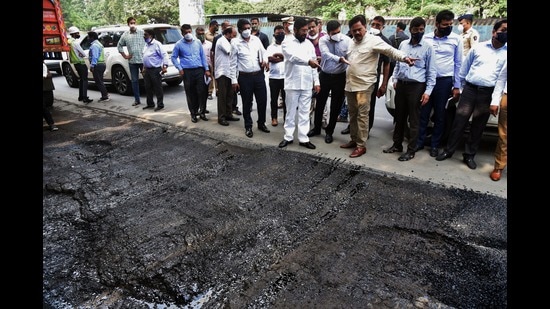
x,y
222,74
248,62
301,77
276,72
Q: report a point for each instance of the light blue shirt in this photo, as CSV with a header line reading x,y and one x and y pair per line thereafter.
x,y
154,55
331,51
423,70
96,53
483,64
448,55
189,55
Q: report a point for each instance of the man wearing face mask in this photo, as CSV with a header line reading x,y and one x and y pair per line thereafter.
x,y
189,58
207,47
413,87
301,77
470,36
77,57
155,63
248,62
332,75
288,25
276,73
222,61
255,24
478,75
321,120
213,27
133,40
448,59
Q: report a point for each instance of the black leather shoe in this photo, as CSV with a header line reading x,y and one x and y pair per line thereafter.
x,y
194,119
232,118
393,149
223,122
284,143
249,132
87,100
263,128
434,152
313,132
418,148
203,117
444,155
237,112
345,131
308,145
406,156
159,108
148,106
469,160
206,111
328,138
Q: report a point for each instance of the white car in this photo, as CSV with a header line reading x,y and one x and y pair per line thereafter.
x,y
117,73
490,129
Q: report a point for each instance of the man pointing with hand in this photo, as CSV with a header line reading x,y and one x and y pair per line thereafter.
x,y
362,58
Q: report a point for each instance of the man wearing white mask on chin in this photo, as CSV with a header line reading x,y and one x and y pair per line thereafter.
x,y
383,68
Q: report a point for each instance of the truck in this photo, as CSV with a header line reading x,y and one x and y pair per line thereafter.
x,y
55,44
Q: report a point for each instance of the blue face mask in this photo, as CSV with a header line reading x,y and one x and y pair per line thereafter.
x,y
417,36
502,37
445,31
148,40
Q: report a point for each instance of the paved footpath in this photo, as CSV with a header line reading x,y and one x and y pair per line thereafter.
x,y
451,172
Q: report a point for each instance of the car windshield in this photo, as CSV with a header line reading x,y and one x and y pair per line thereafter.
x,y
167,35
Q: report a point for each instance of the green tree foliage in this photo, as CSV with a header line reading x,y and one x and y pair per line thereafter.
x,y
86,14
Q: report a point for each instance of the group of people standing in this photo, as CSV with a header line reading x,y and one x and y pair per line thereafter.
x,y
429,71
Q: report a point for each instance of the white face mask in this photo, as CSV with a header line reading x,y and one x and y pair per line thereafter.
x,y
374,31
133,27
246,33
312,37
336,37
188,37
291,28
460,28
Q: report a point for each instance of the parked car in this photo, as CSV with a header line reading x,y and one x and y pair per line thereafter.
x,y
490,129
117,73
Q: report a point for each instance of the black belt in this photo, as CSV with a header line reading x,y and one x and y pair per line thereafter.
x,y
192,68
153,67
408,82
333,74
443,77
249,73
480,87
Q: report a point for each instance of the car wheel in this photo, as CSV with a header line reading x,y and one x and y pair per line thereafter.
x,y
70,76
174,82
121,81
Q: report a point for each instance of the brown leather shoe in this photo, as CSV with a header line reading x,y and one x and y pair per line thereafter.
x,y
358,151
495,174
350,144
274,122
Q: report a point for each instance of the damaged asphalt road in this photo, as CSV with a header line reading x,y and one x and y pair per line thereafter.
x,y
142,215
